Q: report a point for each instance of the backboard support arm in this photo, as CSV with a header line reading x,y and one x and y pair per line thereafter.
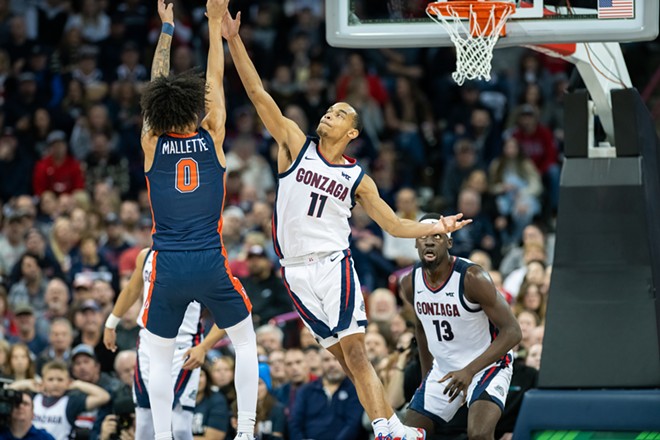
x,y
602,68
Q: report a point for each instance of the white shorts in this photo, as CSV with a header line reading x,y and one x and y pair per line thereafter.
x,y
430,400
328,297
186,382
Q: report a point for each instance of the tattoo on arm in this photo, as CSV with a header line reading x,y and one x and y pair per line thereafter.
x,y
161,63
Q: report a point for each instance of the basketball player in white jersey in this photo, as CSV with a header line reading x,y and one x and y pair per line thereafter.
x,y
189,354
465,331
318,186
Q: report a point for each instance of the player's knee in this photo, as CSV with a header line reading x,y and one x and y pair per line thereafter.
x,y
480,432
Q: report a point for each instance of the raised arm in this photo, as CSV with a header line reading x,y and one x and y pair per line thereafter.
x,y
127,297
286,133
160,65
216,112
96,396
367,195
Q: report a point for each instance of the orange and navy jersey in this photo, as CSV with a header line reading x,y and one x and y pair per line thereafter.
x,y
186,185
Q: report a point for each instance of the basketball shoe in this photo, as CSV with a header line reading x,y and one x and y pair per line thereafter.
x,y
411,433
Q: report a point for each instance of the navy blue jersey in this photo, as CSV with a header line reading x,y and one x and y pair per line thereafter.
x,y
186,188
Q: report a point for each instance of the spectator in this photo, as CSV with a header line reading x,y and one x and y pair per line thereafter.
x,y
313,359
85,366
8,327
222,377
478,235
532,252
327,408
381,306
255,171
12,242
266,291
211,418
92,20
130,68
270,337
277,370
88,320
20,423
297,374
534,356
15,167
402,250
31,287
4,356
537,142
104,165
35,244
271,420
27,333
457,170
115,242
61,340
57,171
232,230
531,299
59,420
20,365
125,364
356,68
45,22
376,347
514,259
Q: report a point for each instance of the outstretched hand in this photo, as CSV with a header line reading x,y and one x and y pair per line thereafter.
x,y
166,12
450,224
230,25
216,9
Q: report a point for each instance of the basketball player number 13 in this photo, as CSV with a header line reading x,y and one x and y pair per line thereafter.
x,y
443,330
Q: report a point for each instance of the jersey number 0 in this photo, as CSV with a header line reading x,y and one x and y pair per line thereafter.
x,y
187,175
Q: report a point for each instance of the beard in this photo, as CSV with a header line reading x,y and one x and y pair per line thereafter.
x,y
431,265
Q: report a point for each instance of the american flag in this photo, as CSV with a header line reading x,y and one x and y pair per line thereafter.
x,y
616,9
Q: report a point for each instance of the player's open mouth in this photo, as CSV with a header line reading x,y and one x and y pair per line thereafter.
x,y
429,255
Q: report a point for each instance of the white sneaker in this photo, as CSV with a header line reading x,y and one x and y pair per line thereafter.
x,y
244,436
412,434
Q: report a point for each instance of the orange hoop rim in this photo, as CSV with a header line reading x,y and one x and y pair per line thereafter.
x,y
464,8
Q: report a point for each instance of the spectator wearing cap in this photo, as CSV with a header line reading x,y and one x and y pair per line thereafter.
x,y
27,332
87,72
61,341
86,367
130,68
31,288
538,143
16,166
22,104
271,417
58,171
12,242
328,407
115,241
102,164
267,293
88,320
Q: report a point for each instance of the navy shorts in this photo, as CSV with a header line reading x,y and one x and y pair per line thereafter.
x,y
179,277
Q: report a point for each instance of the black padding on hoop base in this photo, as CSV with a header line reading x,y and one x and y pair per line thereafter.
x,y
603,319
576,121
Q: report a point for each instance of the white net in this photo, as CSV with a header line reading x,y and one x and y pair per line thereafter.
x,y
474,38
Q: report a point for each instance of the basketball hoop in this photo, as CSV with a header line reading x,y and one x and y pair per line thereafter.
x,y
474,44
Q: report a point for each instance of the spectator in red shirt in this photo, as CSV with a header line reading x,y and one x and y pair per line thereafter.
x,y
58,171
356,69
537,142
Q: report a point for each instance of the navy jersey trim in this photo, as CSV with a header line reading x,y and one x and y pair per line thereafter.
x,y
201,129
296,162
355,187
461,289
444,283
413,274
352,162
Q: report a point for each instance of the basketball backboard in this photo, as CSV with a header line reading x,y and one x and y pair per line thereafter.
x,y
404,23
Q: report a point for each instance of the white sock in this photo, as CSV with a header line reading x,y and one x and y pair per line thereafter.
x,y
246,374
395,425
380,427
161,388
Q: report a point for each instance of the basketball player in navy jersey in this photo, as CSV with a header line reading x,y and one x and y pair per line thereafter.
x,y
317,188
465,331
185,171
188,357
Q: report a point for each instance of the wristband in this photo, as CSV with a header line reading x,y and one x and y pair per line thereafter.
x,y
112,322
167,29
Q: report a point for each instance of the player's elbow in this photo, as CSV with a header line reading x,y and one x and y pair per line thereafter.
x,y
516,335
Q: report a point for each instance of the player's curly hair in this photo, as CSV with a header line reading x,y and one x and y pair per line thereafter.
x,y
173,102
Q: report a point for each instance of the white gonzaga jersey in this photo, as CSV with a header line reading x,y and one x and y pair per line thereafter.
x,y
314,202
190,325
52,418
457,331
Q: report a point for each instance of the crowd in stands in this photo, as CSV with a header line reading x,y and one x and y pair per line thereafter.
x,y
74,208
